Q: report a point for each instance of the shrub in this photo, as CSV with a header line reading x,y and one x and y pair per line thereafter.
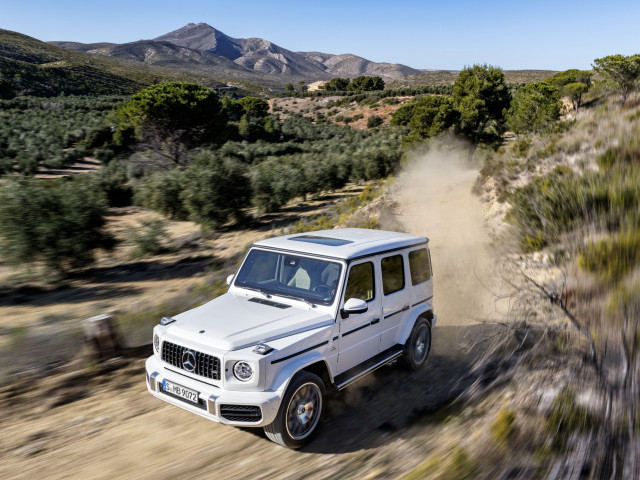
x,y
534,107
503,427
61,223
613,257
148,237
567,417
215,190
162,192
374,121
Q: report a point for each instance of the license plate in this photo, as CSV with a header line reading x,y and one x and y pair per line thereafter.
x,y
180,391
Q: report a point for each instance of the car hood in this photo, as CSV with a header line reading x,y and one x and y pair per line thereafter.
x,y
232,322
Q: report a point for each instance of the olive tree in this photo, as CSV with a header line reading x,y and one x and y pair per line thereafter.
x,y
60,224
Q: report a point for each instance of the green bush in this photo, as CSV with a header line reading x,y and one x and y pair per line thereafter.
x,y
613,257
626,153
215,190
59,223
161,191
562,200
374,121
534,107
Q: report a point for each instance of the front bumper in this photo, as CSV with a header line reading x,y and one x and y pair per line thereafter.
x,y
212,398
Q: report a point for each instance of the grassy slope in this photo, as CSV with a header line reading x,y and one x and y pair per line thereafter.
x,y
38,68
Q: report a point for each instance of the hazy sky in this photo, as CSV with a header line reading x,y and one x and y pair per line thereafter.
x,y
450,34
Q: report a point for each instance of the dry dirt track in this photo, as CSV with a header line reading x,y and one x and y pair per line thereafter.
x,y
101,423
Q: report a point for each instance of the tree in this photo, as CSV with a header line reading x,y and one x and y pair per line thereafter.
x,y
232,109
254,108
620,70
432,116
534,107
170,117
365,83
572,83
481,96
215,190
60,224
289,88
336,85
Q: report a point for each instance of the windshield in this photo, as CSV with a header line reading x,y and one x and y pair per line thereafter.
x,y
309,279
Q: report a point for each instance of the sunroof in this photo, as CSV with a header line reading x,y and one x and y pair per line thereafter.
x,y
332,242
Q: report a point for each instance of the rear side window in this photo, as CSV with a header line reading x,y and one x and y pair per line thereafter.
x,y
392,274
361,282
419,266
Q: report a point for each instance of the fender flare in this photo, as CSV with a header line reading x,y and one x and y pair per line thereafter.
x,y
424,311
287,372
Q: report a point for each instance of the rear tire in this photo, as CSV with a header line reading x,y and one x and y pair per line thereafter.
x,y
418,346
300,412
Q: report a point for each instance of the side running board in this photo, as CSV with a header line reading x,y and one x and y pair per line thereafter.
x,y
355,373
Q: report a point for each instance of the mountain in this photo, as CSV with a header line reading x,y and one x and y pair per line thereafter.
x,y
165,54
264,56
31,67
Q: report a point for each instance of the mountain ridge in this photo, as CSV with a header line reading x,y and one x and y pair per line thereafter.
x,y
208,48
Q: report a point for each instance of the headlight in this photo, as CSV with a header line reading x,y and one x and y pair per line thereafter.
x,y
156,342
243,371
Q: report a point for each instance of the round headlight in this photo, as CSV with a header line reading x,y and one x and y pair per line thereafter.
x,y
243,371
156,342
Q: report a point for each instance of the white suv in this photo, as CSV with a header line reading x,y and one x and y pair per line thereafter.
x,y
304,312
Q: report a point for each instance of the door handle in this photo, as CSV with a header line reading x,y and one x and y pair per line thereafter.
x,y
373,322
405,308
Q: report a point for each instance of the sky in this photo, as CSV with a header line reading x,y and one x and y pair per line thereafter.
x,y
421,34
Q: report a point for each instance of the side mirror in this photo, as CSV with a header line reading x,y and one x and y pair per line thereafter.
x,y
354,305
230,279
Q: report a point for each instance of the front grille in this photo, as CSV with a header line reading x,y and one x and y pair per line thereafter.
x,y
241,413
206,365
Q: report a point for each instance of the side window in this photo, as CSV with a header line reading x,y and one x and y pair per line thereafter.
x,y
419,266
392,274
361,282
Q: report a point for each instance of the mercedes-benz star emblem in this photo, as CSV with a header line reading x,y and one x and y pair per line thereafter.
x,y
189,360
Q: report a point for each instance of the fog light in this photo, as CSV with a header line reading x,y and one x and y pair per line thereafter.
x,y
243,371
156,342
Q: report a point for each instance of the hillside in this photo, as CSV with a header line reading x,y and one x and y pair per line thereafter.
x,y
31,67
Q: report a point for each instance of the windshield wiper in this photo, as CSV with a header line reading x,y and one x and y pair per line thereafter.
x,y
255,289
294,297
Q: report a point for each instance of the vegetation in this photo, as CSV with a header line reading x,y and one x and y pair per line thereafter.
x,y
60,224
170,117
52,133
480,96
535,107
620,70
573,84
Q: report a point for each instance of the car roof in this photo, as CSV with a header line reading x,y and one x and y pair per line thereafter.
x,y
344,243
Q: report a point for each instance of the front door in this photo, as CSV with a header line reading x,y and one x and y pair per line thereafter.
x,y
360,333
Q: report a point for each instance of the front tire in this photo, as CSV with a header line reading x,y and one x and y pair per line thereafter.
x,y
300,411
418,346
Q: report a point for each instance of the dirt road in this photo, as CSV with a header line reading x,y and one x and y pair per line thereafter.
x,y
101,423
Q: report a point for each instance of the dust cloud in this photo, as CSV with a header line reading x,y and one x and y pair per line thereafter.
x,y
436,201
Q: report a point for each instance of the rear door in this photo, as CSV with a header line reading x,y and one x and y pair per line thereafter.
x,y
360,333
396,297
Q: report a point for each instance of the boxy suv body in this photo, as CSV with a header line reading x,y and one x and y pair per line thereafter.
x,y
304,313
